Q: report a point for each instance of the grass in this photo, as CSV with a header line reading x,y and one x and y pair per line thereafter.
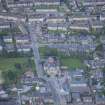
x,y
42,51
8,31
3,33
60,8
1,79
8,63
45,51
70,32
45,7
71,63
56,31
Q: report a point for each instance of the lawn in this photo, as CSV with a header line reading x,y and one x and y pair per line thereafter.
x,y
8,63
1,79
42,51
46,51
7,31
45,7
72,63
3,33
56,31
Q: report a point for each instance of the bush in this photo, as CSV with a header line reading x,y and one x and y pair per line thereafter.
x,y
18,66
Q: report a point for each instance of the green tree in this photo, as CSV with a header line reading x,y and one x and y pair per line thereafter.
x,y
10,76
87,74
103,81
13,37
34,87
99,48
4,52
51,52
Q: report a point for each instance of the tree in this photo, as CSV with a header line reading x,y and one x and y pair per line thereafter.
x,y
69,5
4,52
4,4
18,66
51,52
99,48
103,88
34,87
103,81
13,37
34,7
102,32
10,76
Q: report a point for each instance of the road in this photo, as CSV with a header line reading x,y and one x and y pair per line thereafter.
x,y
60,100
32,28
21,27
